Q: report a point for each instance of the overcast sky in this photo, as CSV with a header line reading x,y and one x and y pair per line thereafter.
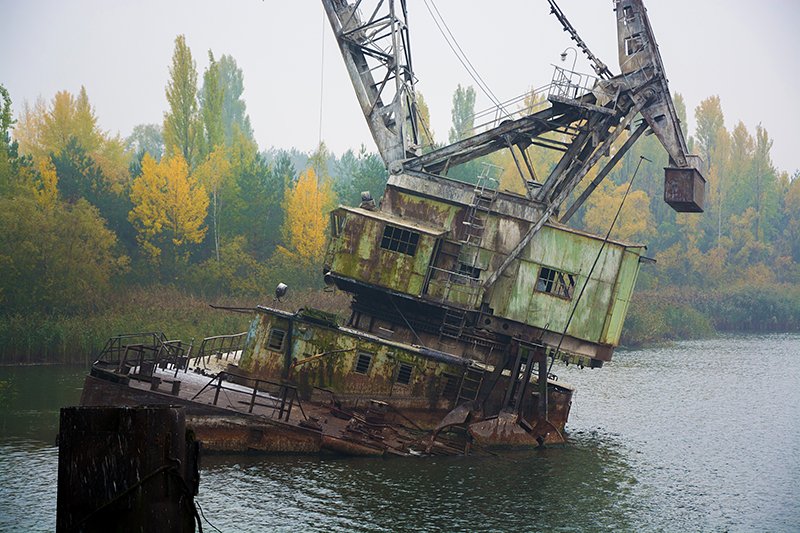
x,y
745,51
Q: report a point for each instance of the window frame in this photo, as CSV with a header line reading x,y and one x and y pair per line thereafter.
x,y
357,363
400,371
401,240
555,283
280,345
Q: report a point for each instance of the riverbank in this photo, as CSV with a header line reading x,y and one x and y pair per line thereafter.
x,y
36,338
654,317
671,314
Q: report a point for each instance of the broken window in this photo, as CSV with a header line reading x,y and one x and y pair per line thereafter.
x,y
363,361
337,224
399,240
404,374
275,341
556,283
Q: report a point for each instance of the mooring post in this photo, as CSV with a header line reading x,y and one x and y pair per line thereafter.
x,y
126,469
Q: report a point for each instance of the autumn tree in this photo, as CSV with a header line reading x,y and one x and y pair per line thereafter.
x,y
170,207
306,204
181,123
635,224
426,136
45,131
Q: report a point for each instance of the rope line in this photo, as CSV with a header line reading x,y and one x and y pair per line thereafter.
x,y
596,259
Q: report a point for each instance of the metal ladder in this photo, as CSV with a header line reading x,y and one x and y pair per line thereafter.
x,y
470,384
452,323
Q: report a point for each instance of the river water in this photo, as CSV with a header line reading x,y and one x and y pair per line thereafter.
x,y
698,436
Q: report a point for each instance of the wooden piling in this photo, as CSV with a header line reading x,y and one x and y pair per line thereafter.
x,y
126,469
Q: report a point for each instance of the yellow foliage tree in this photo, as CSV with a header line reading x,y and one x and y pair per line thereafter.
x,y
306,204
170,207
635,222
45,187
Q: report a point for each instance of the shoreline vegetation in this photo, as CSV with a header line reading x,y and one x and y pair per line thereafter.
x,y
39,338
654,317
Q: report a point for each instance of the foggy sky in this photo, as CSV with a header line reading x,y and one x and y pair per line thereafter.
x,y
742,50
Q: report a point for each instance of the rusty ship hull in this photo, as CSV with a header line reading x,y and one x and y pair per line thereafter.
x,y
300,383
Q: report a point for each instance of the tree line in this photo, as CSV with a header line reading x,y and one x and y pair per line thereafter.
x,y
193,203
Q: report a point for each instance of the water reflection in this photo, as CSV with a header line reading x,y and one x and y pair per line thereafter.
x,y
583,485
700,436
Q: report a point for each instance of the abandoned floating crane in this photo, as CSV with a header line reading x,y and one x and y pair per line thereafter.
x,y
461,293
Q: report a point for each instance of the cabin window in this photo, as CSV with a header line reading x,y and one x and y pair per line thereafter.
x,y
555,282
275,341
337,224
627,14
404,374
399,240
363,361
469,271
450,386
633,44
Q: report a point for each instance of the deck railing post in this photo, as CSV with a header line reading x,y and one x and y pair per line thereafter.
x,y
219,387
253,398
291,403
284,392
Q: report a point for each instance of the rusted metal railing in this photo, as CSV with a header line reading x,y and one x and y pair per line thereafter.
x,y
144,351
570,84
282,402
220,346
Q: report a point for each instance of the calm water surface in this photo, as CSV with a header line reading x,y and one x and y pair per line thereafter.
x,y
700,436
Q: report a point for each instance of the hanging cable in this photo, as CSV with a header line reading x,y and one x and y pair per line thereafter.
x,y
461,56
596,259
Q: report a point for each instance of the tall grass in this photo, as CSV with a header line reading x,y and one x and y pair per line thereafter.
x,y
671,314
653,317
77,339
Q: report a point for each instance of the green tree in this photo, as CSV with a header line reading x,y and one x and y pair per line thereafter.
x,y
215,173
234,109
146,139
80,177
358,173
15,170
462,113
181,122
211,105
55,257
